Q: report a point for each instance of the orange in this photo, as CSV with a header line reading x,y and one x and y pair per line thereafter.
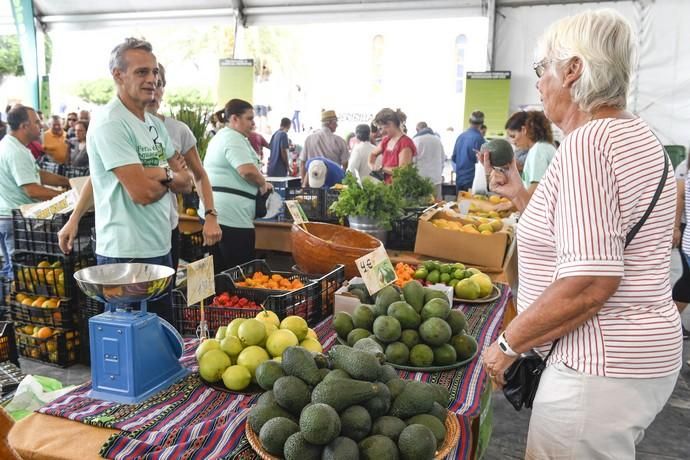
x,y
37,303
44,264
28,330
190,212
20,297
44,333
52,303
28,301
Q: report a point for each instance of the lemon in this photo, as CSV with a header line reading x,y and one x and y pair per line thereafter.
x,y
236,378
251,357
297,325
206,346
251,332
234,326
484,282
279,341
270,328
231,345
311,345
312,335
269,317
212,365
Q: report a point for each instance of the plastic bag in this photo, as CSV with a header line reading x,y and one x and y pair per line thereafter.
x,y
479,185
33,392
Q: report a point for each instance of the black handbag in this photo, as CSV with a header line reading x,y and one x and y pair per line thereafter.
x,y
260,200
523,376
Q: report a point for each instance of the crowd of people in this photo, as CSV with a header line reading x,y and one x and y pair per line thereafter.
x,y
598,216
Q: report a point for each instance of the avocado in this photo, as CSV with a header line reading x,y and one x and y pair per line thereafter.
x,y
356,335
387,373
413,292
267,373
319,424
381,404
369,345
341,448
500,152
410,337
342,324
439,412
297,448
363,317
457,321
324,372
378,447
359,364
266,397
355,423
436,308
387,329
433,294
398,353
413,400
360,294
465,346
388,426
321,360
417,442
262,413
299,362
405,314
292,394
395,387
336,374
343,393
440,393
432,423
444,355
435,332
384,298
275,432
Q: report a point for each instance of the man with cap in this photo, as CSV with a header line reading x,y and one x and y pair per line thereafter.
x,y
325,143
322,172
465,152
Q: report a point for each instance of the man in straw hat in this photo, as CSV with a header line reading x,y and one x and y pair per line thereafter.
x,y
324,143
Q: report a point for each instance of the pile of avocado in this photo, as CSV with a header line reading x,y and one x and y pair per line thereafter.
x,y
416,328
348,406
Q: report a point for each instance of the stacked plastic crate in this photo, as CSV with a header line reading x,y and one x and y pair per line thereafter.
x,y
45,301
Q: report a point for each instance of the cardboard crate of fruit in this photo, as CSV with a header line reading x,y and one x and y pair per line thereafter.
x,y
483,205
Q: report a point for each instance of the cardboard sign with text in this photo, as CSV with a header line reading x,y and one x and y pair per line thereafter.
x,y
296,211
200,281
376,269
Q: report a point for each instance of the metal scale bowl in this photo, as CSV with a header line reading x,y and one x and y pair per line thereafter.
x,y
134,353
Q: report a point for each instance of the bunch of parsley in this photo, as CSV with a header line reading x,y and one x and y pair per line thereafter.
x,y
413,189
371,199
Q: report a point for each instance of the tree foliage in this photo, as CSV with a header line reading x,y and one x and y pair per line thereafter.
x,y
10,56
188,97
98,91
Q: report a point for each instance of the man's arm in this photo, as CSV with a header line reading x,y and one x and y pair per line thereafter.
x,y
143,187
48,178
212,231
39,193
68,233
183,183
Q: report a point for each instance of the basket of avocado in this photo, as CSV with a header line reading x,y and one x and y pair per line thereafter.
x,y
359,408
413,327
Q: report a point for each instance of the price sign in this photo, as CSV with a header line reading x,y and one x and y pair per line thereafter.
x,y
296,211
200,283
377,270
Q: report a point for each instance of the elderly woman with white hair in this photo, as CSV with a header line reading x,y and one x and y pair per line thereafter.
x,y
592,287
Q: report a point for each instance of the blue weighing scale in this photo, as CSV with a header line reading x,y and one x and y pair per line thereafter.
x,y
134,353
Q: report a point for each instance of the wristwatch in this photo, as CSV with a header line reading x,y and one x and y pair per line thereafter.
x,y
168,176
211,212
505,348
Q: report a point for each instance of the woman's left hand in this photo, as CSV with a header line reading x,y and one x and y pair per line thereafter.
x,y
496,362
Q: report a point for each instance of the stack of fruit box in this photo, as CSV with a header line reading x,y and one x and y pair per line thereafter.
x,y
45,301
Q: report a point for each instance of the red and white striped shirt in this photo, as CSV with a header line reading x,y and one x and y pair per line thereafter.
x,y
596,189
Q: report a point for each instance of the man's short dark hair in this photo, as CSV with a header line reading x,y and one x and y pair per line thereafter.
x,y
236,107
285,122
18,115
422,125
363,132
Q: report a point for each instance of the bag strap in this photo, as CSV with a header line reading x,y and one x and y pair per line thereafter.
x,y
233,191
633,231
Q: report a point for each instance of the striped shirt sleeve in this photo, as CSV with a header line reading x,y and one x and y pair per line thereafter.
x,y
589,236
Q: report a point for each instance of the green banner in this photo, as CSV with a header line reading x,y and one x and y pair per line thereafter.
x,y
490,93
235,81
45,95
23,12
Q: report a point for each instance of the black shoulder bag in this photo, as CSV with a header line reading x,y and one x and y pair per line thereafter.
x,y
522,377
259,199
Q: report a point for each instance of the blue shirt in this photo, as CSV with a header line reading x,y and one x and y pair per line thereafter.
x,y
334,174
465,155
276,166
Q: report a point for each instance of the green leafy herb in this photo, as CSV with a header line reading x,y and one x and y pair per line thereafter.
x,y
413,189
371,199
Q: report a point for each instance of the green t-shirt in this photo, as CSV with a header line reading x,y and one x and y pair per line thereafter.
x,y
116,137
17,168
538,160
227,150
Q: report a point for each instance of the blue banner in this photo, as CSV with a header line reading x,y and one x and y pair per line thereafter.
x,y
23,11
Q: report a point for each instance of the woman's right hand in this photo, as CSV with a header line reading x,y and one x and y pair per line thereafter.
x,y
66,236
506,182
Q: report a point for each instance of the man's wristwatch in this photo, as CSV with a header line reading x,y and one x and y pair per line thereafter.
x,y
505,348
169,175
211,212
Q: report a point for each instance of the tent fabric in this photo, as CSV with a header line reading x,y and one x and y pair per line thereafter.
x,y
660,89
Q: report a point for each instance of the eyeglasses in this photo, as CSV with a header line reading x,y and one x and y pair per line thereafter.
x,y
540,67
71,119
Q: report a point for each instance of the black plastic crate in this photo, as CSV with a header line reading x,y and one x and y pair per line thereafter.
x,y
188,317
64,315
10,376
5,290
89,307
242,272
327,285
403,233
41,235
60,349
8,343
192,246
310,199
53,278
330,196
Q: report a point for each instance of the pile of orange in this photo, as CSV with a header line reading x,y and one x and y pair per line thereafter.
x,y
405,273
39,302
275,281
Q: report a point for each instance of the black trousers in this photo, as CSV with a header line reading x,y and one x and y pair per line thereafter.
x,y
681,290
235,247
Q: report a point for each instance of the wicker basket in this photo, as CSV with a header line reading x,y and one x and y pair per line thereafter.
x,y
451,440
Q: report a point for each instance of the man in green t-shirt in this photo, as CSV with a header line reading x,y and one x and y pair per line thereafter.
x,y
20,179
132,165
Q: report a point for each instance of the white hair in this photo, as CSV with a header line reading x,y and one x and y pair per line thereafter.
x,y
117,55
604,42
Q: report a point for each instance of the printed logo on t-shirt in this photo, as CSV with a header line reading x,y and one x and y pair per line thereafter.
x,y
152,156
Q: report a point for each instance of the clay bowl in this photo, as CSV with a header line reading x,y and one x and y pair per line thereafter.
x,y
322,246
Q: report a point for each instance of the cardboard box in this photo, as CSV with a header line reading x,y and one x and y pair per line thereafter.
x,y
480,250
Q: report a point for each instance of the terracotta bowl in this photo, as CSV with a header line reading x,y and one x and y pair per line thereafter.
x,y
322,246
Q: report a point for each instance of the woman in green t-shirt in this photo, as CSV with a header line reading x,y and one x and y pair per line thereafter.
x,y
234,170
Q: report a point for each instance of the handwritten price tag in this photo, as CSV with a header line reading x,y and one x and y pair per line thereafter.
x,y
200,283
376,270
296,211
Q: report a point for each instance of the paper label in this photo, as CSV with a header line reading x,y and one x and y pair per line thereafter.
x,y
464,207
377,270
200,280
296,211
